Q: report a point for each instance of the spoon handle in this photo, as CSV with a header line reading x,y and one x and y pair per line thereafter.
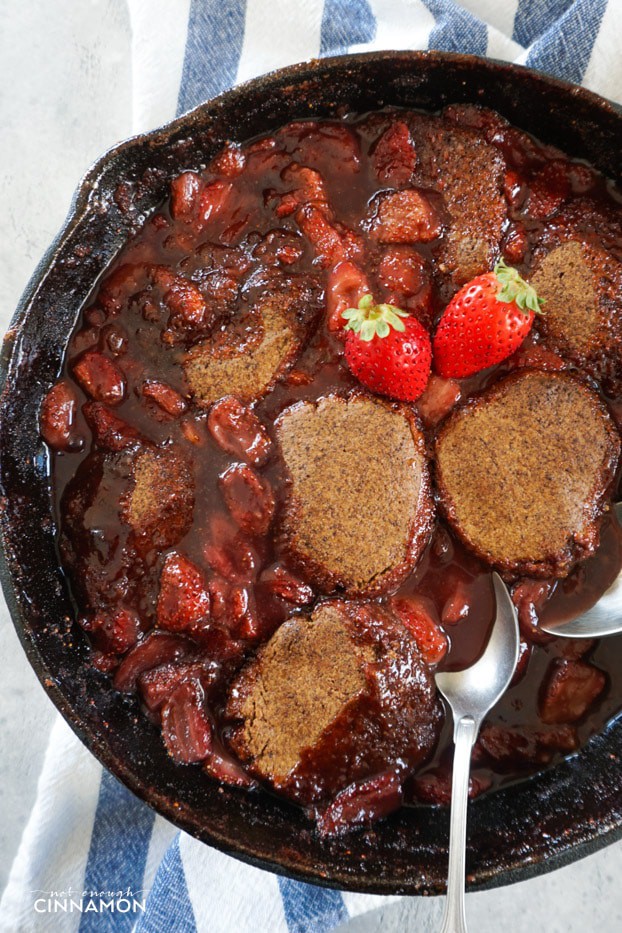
x,y
454,918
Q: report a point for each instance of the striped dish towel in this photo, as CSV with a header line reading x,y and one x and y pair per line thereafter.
x,y
88,837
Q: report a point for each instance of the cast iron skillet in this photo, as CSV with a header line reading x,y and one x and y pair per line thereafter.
x,y
560,815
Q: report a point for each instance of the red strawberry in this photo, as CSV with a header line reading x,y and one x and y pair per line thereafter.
x,y
184,601
387,349
485,322
430,638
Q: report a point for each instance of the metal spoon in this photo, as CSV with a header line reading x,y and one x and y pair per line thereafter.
x,y
470,694
605,616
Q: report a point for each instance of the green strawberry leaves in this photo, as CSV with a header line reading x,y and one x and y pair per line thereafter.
x,y
370,320
516,289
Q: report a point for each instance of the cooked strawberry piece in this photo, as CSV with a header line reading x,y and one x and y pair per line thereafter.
x,y
574,648
213,200
113,632
116,338
243,619
238,431
417,618
237,603
406,217
186,302
323,237
296,377
58,417
403,272
94,316
221,290
184,195
158,222
490,124
287,204
191,431
307,187
103,662
515,244
529,597
394,156
283,583
514,188
279,247
158,648
232,234
100,377
233,607
183,602
353,245
434,787
117,287
347,284
570,689
135,280
535,356
361,803
226,770
438,399
511,747
264,156
228,552
157,685
442,545
457,605
219,591
165,397
161,276
525,650
230,162
248,497
84,339
307,184
549,188
109,431
186,727
326,144
581,177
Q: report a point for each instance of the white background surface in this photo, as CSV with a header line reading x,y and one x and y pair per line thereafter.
x,y
64,99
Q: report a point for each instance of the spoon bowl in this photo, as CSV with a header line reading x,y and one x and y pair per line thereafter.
x,y
475,690
603,618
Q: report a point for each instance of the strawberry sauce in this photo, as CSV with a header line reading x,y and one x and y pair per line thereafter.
x,y
317,207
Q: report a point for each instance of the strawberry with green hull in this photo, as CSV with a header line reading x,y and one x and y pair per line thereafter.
x,y
387,349
485,322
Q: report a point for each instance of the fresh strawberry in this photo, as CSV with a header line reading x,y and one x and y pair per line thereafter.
x,y
113,632
485,322
387,349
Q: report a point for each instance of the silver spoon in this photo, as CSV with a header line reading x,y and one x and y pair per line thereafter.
x,y
605,616
470,694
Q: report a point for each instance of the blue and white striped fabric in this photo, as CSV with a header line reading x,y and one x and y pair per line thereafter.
x,y
87,833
